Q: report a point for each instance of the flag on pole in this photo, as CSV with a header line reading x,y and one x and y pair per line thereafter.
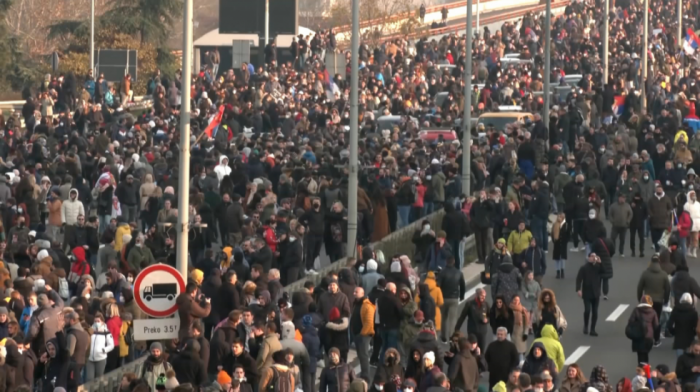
x,y
618,105
691,43
214,122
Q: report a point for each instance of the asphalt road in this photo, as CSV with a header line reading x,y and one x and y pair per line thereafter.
x,y
611,348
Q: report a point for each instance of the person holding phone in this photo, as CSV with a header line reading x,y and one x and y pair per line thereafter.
x,y
588,284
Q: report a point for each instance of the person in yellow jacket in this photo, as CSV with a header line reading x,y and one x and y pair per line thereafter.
x,y
122,229
366,310
519,241
436,293
126,338
550,340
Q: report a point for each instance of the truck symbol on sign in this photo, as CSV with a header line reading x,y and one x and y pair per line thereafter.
x,y
160,290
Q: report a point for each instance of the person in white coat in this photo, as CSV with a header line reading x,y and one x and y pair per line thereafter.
x,y
222,169
101,343
693,208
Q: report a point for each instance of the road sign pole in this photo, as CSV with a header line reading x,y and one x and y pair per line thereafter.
x,y
467,117
183,208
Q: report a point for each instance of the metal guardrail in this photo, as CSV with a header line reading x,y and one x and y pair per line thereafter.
x,y
397,242
404,15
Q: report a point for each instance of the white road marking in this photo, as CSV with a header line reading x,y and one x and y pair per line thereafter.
x,y
576,355
617,313
472,292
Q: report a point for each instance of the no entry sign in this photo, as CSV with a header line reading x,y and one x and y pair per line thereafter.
x,y
156,288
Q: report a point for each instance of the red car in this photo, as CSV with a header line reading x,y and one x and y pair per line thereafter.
x,y
430,135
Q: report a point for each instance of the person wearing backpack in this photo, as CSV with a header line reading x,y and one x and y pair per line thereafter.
x,y
278,377
640,328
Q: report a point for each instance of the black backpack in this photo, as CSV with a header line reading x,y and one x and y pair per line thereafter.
x,y
636,328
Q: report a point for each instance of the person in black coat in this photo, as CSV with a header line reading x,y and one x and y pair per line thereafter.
x,y
210,289
228,297
187,365
501,358
57,363
427,303
537,362
605,249
686,364
588,281
221,342
682,324
239,357
683,283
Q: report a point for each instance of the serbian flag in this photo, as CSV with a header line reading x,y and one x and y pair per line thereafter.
x,y
619,105
214,122
691,43
647,371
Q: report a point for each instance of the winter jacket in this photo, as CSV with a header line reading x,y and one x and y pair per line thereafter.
x,y
605,249
654,283
451,282
550,339
693,209
188,367
437,257
684,368
436,294
139,257
101,343
427,341
463,372
682,282
682,325
189,311
70,209
620,215
647,315
507,282
270,345
589,280
309,336
495,259
335,378
660,211
535,366
535,260
518,242
45,322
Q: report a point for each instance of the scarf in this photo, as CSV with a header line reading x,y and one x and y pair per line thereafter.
x,y
520,314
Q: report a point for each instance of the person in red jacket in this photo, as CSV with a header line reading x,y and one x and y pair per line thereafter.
x,y
685,224
79,267
269,234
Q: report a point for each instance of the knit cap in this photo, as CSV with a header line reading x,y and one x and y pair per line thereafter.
x,y
223,378
430,355
307,321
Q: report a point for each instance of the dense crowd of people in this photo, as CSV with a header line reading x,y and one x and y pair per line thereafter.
x,y
88,199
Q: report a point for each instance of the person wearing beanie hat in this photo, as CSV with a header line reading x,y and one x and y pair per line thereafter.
x,y
155,366
224,380
171,381
278,372
189,366
337,332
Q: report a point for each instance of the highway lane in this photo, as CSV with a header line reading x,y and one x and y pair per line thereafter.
x,y
611,348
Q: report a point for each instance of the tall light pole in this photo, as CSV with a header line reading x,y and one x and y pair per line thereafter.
x,y
679,34
467,117
92,38
351,250
645,43
547,62
478,16
267,21
606,41
183,206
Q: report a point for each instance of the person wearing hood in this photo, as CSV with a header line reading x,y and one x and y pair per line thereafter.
x,y
660,207
188,366
688,365
642,328
155,366
222,169
682,324
538,361
44,323
101,343
463,371
654,284
56,362
396,273
371,276
692,206
550,340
